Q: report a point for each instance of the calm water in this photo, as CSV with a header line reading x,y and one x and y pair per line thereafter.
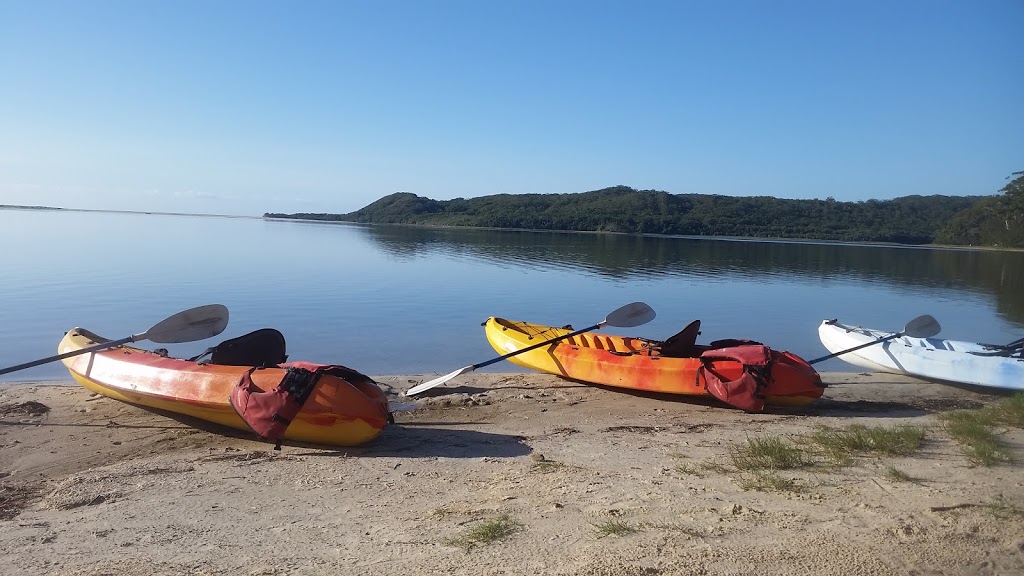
x,y
406,300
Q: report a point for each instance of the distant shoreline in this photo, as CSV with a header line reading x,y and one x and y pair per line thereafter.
x,y
145,212
752,239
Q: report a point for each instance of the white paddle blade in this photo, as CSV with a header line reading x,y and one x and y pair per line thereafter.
x,y
922,327
437,381
190,325
630,315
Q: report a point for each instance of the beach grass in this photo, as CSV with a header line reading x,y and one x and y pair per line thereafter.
x,y
613,528
896,475
486,532
975,430
713,467
768,453
701,469
840,445
758,460
972,429
441,512
1008,411
689,469
1004,510
547,466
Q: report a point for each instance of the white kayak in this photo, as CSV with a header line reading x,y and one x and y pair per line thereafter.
x,y
930,358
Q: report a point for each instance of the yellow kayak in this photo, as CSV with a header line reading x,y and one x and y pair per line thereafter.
x,y
636,364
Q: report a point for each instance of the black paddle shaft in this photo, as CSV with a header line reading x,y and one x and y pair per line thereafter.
x,y
535,346
865,345
86,350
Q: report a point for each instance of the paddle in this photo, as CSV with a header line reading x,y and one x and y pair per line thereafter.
x,y
628,316
1012,345
1006,350
920,327
187,326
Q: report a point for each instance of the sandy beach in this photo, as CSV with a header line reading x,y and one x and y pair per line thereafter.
x,y
568,479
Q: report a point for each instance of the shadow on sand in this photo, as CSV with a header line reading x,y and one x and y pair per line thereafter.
x,y
428,441
405,440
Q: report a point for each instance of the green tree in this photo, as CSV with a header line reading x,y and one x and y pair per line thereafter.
x,y
994,221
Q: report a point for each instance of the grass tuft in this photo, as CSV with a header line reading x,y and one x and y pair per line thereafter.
x,y
613,528
1004,510
547,466
973,430
486,532
701,469
767,453
840,444
713,467
689,469
896,475
1008,411
441,512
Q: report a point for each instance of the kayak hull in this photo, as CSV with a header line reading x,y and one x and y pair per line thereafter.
x,y
929,358
337,413
630,363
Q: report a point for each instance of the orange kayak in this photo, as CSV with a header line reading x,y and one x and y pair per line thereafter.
x,y
337,413
638,364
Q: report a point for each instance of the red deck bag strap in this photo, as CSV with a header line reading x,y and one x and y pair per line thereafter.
x,y
353,377
744,392
268,414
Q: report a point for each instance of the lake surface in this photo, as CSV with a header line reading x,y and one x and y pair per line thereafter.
x,y
410,300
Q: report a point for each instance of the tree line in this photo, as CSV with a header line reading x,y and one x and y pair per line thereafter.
x,y
992,221
956,220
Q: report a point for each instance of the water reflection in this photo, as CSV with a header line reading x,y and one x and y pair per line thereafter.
x,y
994,273
410,300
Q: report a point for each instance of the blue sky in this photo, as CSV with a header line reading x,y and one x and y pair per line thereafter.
x,y
233,107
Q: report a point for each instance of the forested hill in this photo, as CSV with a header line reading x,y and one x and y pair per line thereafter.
x,y
908,220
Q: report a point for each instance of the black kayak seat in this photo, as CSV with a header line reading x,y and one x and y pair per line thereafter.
x,y
263,347
683,344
